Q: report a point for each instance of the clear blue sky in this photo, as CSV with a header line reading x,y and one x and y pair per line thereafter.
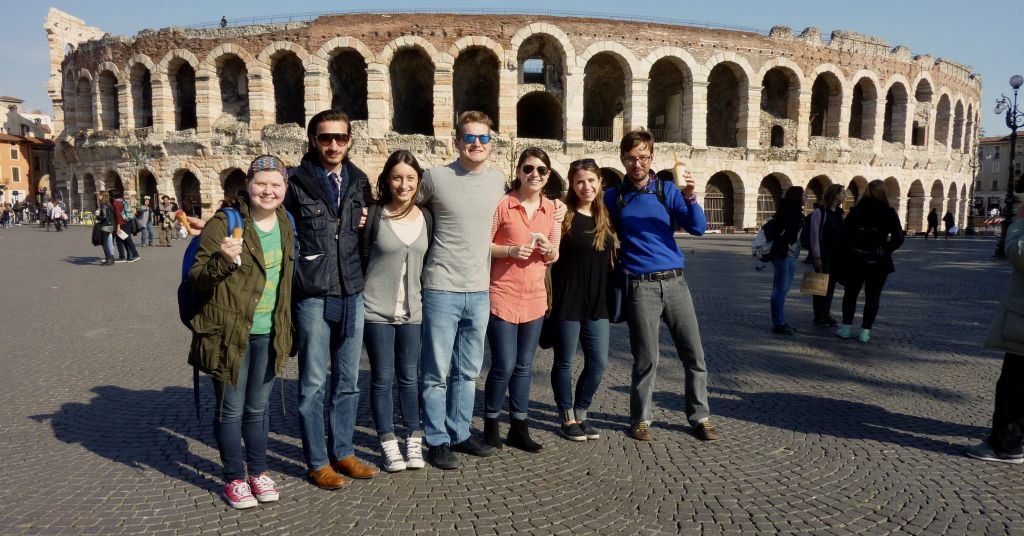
x,y
968,33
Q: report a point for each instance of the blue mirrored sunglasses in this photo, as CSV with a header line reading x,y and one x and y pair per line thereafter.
x,y
470,138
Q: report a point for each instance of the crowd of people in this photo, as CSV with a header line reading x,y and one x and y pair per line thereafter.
x,y
117,223
51,213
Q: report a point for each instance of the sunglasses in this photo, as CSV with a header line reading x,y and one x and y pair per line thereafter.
x,y
470,138
541,170
326,138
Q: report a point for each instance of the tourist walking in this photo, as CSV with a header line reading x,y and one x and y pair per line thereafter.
x,y
123,239
524,241
145,219
579,299
933,224
395,242
326,195
243,343
645,225
107,223
867,240
826,221
166,221
784,234
1005,441
59,216
949,222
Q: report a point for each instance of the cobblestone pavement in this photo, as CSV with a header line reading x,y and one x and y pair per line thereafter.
x,y
821,436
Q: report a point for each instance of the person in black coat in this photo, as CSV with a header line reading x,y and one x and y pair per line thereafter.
x,y
869,236
949,222
784,233
826,221
933,224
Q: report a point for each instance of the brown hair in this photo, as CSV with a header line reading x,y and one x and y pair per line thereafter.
x,y
831,193
472,116
876,190
400,156
635,138
602,223
537,153
326,115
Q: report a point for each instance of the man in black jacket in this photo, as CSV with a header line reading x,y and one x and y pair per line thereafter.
x,y
933,224
326,198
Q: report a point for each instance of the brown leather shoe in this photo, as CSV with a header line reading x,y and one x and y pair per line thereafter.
x,y
355,468
326,478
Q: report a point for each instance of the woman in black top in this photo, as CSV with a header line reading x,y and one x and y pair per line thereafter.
x,y
869,236
580,283
784,232
826,221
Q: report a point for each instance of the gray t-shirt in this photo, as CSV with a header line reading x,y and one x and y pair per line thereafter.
x,y
463,205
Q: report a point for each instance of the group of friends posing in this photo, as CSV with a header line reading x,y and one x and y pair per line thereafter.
x,y
439,262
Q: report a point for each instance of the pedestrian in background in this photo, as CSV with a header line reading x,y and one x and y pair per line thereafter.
x,y
784,235
933,224
949,221
107,223
826,222
145,217
166,221
123,239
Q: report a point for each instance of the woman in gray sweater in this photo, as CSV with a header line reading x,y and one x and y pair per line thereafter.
x,y
395,242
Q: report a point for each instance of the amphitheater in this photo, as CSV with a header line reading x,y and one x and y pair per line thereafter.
x,y
182,110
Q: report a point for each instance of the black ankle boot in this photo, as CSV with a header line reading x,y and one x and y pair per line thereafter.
x,y
519,437
492,435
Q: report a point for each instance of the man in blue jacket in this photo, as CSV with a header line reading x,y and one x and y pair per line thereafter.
x,y
645,216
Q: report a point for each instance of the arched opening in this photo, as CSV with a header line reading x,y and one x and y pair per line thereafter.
x,y
726,89
475,82
541,60
668,93
348,84
83,103
815,190
938,197
951,200
963,214
778,136
604,98
892,192
895,124
67,93
854,190
780,100
922,113
234,182
539,115
110,113
958,126
969,130
720,200
182,79
89,192
862,110
288,76
826,103
915,208
769,193
234,88
142,96
943,116
412,92
148,184
113,182
189,198
610,178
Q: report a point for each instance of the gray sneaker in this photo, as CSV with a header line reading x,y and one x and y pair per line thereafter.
x,y
589,431
987,453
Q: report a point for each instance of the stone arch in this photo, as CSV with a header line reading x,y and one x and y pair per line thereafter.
x,y
670,99
476,81
854,190
951,199
539,115
287,75
84,100
230,98
892,191
112,182
723,200
606,94
108,101
915,207
89,192
924,87
232,180
827,92
188,191
863,106
958,126
405,42
179,66
411,73
769,193
347,59
897,103
476,41
780,93
550,30
943,120
140,92
727,102
625,57
938,196
815,189
542,63
148,185
68,92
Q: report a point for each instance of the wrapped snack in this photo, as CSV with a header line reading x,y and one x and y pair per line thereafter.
x,y
182,218
679,172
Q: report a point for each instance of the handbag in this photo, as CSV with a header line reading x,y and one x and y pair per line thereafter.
x,y
814,283
97,234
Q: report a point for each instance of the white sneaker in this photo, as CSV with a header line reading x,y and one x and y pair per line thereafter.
x,y
393,460
414,453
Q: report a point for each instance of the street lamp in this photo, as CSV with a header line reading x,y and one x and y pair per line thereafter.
x,y
1014,120
974,164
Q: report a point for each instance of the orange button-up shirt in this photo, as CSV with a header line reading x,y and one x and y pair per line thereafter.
x,y
517,285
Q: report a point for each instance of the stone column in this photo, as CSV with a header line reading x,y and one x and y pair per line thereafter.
x,y
261,100
378,95
315,99
205,103
444,97
635,115
163,107
843,119
125,106
803,122
573,105
879,130
698,115
508,86
749,133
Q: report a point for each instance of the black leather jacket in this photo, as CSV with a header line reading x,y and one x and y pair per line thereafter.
x,y
328,263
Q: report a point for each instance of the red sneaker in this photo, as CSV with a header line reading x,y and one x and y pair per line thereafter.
x,y
239,495
264,488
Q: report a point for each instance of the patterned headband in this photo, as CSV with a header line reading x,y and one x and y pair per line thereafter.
x,y
266,163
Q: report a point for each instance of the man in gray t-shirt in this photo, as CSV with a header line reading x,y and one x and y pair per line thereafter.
x,y
456,278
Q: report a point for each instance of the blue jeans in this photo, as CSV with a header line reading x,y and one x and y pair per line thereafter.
x,y
454,326
243,412
394,351
146,234
108,245
594,335
512,349
784,269
320,344
649,304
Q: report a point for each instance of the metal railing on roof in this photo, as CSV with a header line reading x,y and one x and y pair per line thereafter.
x,y
311,15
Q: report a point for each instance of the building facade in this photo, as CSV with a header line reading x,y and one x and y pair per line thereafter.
x,y
994,170
182,111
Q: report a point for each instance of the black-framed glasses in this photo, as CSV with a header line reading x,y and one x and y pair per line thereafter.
x,y
632,160
468,139
583,162
541,170
326,138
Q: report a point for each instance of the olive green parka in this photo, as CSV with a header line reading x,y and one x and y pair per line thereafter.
x,y
220,331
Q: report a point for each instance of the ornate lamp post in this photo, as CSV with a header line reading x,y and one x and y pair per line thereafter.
x,y
1014,120
974,164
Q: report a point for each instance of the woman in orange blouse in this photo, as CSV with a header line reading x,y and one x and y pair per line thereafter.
x,y
525,240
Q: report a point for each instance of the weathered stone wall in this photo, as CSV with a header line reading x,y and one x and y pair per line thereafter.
x,y
402,73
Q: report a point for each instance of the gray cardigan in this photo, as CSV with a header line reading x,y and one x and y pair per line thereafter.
x,y
387,254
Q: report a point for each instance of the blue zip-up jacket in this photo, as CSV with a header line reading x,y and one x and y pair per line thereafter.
x,y
645,230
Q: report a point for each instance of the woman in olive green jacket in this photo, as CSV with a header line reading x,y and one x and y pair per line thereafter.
x,y
242,333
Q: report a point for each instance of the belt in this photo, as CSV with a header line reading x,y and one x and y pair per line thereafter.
x,y
657,276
